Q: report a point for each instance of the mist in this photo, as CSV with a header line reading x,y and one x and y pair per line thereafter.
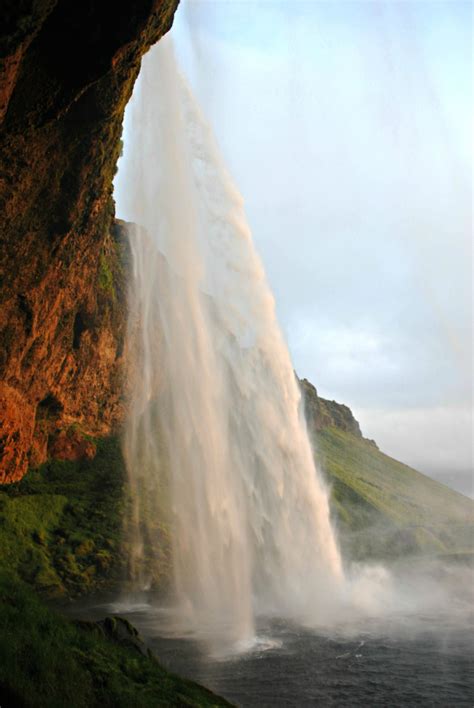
x,y
347,127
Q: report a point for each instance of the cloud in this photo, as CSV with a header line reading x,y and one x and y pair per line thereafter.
x,y
347,128
435,440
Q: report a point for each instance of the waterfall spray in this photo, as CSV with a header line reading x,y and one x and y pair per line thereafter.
x,y
215,398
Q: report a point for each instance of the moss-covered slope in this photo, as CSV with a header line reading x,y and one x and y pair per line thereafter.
x,y
47,661
385,509
61,526
61,535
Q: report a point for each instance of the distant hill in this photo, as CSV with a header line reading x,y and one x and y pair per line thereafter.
x,y
383,508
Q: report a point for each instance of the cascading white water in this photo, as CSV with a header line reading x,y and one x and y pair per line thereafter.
x,y
215,392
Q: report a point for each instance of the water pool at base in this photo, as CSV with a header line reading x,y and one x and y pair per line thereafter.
x,y
398,661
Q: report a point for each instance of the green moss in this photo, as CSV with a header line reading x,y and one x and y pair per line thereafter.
x,y
61,526
48,661
61,535
65,522
384,509
106,278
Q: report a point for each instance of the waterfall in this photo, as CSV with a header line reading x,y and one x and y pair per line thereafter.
x,y
215,405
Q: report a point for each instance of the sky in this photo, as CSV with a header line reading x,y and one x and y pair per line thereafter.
x,y
347,128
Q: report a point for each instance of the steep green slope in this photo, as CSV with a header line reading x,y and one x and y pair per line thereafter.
x,y
61,525
385,509
61,536
48,661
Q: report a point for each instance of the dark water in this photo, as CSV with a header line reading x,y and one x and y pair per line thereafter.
x,y
397,661
311,669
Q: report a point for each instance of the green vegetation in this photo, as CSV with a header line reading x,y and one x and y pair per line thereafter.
x,y
61,536
61,526
385,509
106,278
47,660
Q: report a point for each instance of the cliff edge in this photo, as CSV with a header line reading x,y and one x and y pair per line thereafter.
x,y
66,73
321,413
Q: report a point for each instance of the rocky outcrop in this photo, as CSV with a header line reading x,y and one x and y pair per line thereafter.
x,y
321,413
66,73
120,631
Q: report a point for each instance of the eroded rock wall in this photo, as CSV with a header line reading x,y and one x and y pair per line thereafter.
x,y
321,413
67,70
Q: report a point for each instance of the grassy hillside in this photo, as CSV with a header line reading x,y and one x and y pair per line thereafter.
x,y
61,536
49,661
385,509
61,526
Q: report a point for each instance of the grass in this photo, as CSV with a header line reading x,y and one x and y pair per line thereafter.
x,y
385,509
61,536
61,526
51,662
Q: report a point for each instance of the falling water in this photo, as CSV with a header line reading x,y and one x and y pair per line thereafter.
x,y
215,399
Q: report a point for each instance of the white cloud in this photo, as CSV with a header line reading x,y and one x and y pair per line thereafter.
x,y
347,128
437,440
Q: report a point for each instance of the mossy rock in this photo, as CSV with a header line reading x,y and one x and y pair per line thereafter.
x,y
47,661
60,524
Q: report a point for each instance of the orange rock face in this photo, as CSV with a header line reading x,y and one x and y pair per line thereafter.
x,y
65,365
71,446
66,73
16,433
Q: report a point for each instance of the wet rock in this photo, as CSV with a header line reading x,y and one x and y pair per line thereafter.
x,y
66,73
119,630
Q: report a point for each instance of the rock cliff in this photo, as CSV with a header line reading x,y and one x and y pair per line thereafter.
x,y
66,73
321,413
